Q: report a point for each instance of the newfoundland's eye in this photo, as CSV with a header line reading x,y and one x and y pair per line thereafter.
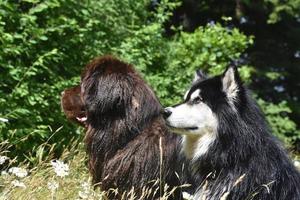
x,y
197,100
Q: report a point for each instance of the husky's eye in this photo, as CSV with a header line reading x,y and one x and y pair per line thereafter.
x,y
197,100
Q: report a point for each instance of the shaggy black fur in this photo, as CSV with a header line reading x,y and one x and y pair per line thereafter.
x,y
124,130
245,161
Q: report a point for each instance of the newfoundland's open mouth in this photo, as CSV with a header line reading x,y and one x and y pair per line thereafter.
x,y
82,119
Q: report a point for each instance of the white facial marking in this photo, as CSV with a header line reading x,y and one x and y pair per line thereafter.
x,y
195,94
196,116
185,95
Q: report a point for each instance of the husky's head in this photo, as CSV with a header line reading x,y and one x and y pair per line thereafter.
x,y
197,116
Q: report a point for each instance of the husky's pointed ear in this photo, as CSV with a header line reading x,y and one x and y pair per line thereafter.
x,y
199,76
230,82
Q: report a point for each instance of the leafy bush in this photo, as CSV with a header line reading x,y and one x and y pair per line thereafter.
x,y
281,125
282,8
45,45
170,65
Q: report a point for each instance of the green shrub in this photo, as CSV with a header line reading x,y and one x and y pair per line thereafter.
x,y
44,46
282,126
279,9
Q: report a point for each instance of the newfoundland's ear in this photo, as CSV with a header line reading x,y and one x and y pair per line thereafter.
x,y
72,105
231,82
199,76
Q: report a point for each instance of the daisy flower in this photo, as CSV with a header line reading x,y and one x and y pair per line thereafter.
x,y
4,173
52,185
3,159
19,172
61,169
17,183
85,193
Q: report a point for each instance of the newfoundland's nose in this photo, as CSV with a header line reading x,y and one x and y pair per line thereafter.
x,y
167,112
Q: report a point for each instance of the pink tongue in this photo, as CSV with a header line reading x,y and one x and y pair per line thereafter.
x,y
81,119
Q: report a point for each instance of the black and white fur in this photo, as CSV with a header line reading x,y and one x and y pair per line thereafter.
x,y
228,142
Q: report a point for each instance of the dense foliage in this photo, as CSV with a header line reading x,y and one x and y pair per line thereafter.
x,y
45,44
277,9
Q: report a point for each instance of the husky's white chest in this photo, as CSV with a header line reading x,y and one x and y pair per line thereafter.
x,y
195,146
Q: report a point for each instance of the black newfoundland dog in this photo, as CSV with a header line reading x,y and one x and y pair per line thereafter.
x,y
127,141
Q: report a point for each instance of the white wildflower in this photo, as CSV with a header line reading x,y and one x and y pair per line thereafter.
x,y
3,159
19,172
85,185
85,193
17,183
4,173
61,169
52,185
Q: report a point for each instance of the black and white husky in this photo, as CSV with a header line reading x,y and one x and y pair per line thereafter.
x,y
226,138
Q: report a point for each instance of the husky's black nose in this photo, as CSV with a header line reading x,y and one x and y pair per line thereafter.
x,y
167,112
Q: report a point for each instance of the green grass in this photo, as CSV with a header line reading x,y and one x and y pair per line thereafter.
x,y
75,185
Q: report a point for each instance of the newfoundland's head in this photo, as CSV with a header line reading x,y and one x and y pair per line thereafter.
x,y
72,105
116,96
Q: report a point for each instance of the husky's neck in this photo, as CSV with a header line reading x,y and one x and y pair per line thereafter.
x,y
196,146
